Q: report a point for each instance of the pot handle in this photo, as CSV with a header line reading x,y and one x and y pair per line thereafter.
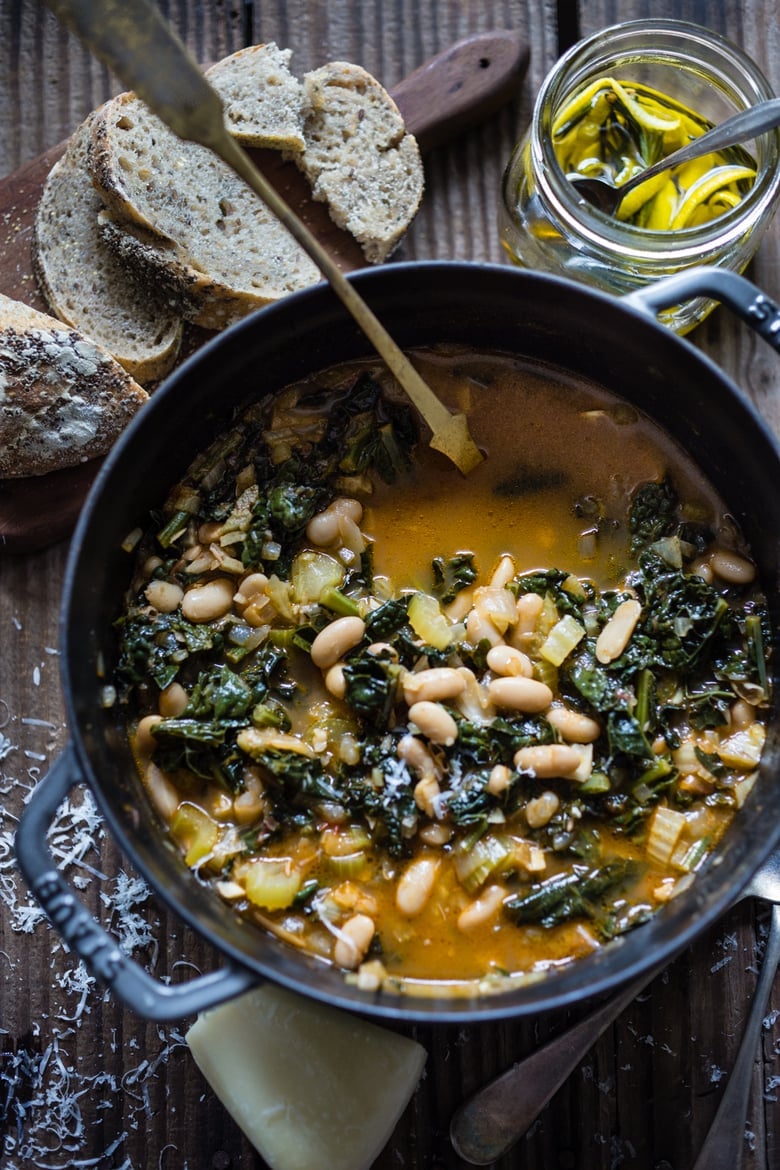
x,y
103,957
744,298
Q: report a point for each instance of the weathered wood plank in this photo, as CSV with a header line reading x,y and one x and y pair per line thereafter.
x,y
644,1096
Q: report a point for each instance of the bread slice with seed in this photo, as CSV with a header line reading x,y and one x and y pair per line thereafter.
x,y
359,157
63,399
85,285
204,233
263,100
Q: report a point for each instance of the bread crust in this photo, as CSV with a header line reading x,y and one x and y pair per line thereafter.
x,y
63,399
203,232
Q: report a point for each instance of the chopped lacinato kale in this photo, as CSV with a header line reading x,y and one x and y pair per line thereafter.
x,y
653,514
156,645
453,575
580,893
371,686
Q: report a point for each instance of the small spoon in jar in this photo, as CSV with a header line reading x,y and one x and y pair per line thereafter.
x,y
494,1118
738,128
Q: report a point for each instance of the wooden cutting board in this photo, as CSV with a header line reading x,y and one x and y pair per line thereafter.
x,y
446,96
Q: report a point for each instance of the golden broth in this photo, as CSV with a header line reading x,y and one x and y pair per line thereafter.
x,y
406,834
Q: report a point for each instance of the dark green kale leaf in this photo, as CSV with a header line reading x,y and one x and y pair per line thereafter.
x,y
486,744
453,575
652,514
385,621
578,894
372,684
681,615
156,645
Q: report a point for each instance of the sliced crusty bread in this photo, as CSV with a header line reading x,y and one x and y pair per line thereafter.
x,y
205,233
63,399
263,100
85,285
359,158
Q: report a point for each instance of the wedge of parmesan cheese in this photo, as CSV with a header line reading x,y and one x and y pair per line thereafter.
x,y
309,1085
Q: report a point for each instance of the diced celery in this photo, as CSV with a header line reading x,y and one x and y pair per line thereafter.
x,y
476,864
665,829
348,865
195,831
314,574
428,621
743,749
562,639
272,883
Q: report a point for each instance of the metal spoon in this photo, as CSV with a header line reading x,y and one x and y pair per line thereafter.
x,y
739,127
491,1121
133,40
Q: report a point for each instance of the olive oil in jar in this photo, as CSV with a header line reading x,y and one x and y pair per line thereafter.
x,y
613,104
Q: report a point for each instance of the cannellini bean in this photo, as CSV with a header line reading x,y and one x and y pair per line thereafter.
x,y
251,589
247,807
731,567
573,725
144,741
335,682
426,792
162,793
165,596
541,809
354,939
435,833
172,701
435,723
499,779
335,640
548,759
416,755
479,628
440,682
482,909
507,660
527,610
503,572
323,529
206,603
520,694
150,564
616,634
415,886
701,568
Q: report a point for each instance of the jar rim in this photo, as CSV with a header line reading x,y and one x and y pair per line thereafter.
x,y
629,240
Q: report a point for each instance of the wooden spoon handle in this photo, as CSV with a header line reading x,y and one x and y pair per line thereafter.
x,y
461,87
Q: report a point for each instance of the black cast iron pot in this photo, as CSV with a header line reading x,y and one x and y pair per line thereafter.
x,y
620,345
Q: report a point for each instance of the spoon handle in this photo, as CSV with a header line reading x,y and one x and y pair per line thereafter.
x,y
740,127
725,1142
498,1114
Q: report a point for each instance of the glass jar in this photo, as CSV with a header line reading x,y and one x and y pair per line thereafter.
x,y
545,225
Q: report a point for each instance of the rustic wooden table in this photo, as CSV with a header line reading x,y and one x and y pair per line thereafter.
x,y
84,1083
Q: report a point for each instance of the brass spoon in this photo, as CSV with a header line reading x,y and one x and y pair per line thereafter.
x,y
494,1118
739,127
133,40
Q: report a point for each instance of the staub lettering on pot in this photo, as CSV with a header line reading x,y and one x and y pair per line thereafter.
x,y
766,313
78,929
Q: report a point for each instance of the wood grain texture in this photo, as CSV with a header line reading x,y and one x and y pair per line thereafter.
x,y
644,1096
